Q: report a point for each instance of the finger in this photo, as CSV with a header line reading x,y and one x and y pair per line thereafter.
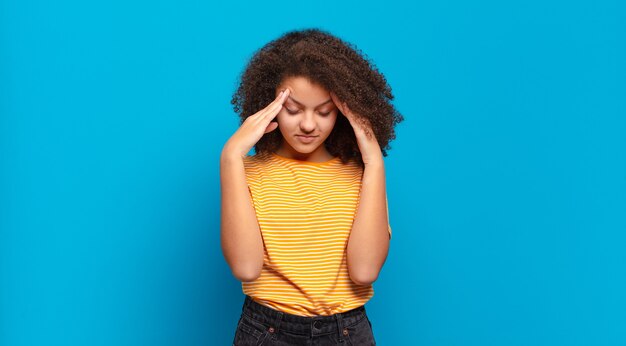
x,y
272,110
346,111
274,105
336,101
343,106
278,100
282,96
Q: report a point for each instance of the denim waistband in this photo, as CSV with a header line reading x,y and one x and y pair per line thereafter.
x,y
303,325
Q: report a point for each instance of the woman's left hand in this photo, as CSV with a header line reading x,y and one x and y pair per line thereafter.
x,y
366,140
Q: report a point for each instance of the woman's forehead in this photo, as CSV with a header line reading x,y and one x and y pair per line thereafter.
x,y
305,93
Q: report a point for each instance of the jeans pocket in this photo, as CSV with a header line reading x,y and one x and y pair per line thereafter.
x,y
370,323
360,333
371,329
250,333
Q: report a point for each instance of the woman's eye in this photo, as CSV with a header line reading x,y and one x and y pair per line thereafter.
x,y
297,111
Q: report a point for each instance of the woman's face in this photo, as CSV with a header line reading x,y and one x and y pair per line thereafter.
x,y
306,120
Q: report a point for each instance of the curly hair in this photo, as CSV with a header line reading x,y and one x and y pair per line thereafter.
x,y
335,65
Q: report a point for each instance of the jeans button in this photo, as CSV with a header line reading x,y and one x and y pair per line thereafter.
x,y
317,324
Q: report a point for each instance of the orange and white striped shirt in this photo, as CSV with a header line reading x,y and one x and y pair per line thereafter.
x,y
305,212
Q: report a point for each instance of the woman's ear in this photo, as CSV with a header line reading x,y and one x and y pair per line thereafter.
x,y
271,127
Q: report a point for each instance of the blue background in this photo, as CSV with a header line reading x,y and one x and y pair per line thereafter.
x,y
506,184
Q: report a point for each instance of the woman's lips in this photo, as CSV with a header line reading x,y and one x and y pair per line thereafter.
x,y
306,139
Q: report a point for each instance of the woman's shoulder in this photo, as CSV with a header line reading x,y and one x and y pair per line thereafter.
x,y
256,163
256,158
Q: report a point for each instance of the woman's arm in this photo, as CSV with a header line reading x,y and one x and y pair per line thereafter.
x,y
242,245
368,244
241,240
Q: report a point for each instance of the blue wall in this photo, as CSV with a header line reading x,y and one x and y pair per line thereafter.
x,y
506,184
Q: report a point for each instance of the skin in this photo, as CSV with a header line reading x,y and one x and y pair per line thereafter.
x,y
308,110
242,245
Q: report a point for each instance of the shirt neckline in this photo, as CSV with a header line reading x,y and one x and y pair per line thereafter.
x,y
282,158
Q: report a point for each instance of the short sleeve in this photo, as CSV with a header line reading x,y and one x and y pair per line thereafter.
x,y
250,176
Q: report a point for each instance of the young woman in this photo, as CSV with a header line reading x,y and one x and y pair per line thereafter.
x,y
305,220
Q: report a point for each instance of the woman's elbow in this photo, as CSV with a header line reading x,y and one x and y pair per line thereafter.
x,y
246,274
246,270
364,277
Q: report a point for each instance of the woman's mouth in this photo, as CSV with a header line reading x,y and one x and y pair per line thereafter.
x,y
306,139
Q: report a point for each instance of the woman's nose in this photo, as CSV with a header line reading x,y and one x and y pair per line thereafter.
x,y
307,123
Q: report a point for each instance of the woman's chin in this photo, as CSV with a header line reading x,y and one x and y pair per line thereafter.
x,y
304,148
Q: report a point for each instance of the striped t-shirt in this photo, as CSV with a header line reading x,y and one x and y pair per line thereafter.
x,y
305,212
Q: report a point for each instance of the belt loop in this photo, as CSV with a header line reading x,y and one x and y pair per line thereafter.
x,y
339,319
276,323
246,303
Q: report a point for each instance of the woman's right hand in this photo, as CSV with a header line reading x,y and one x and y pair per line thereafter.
x,y
254,127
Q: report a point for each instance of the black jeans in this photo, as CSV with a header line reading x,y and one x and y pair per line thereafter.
x,y
262,325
